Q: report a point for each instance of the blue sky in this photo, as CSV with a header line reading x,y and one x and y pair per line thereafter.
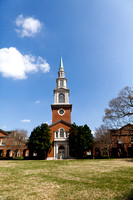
x,y
95,39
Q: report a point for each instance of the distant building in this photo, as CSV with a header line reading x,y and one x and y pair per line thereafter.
x,y
4,151
61,118
121,143
7,149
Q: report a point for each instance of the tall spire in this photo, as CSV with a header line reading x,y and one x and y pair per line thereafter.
x,y
61,64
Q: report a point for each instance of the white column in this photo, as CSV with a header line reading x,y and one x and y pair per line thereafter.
x,y
68,152
67,97
65,151
54,150
65,83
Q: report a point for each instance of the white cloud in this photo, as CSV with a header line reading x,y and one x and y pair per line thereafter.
x,y
25,120
16,65
48,122
93,132
28,27
43,65
4,127
37,102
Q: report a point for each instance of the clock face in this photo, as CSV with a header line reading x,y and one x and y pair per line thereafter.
x,y
61,111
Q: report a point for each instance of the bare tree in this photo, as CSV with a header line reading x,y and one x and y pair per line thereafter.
x,y
17,141
120,111
103,139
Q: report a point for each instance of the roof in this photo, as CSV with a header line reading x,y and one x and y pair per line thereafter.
x,y
61,63
61,105
5,132
126,126
60,121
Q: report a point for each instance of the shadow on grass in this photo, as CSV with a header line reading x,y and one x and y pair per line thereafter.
x,y
130,160
126,196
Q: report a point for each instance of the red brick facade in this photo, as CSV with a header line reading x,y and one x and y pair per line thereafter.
x,y
6,149
55,127
121,143
55,115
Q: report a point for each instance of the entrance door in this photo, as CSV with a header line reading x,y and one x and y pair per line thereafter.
x,y
61,152
1,153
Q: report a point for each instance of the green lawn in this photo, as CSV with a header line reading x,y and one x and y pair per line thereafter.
x,y
66,179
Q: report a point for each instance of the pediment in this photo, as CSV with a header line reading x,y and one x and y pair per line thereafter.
x,y
60,121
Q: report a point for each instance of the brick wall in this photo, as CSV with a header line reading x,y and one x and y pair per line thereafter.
x,y
66,117
54,128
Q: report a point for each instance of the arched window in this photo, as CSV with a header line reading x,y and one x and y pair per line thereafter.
x,y
61,132
61,82
61,98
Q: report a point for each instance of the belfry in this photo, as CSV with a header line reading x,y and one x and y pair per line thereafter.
x,y
61,118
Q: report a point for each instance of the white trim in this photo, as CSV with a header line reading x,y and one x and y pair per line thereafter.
x,y
59,111
60,139
54,150
61,128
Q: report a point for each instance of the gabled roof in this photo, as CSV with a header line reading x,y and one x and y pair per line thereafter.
x,y
60,121
4,132
127,125
122,128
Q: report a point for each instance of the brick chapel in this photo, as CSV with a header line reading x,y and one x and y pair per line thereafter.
x,y
61,118
121,139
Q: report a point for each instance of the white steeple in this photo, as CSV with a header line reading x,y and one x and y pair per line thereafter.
x,y
61,92
61,73
61,64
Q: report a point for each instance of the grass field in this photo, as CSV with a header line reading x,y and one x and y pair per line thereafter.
x,y
66,179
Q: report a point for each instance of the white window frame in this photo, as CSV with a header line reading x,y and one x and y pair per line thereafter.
x,y
3,144
59,111
119,140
